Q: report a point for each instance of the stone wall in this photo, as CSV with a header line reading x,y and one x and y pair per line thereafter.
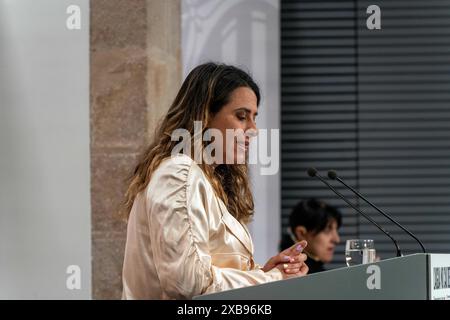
x,y
135,72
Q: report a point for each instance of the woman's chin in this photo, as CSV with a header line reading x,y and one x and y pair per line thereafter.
x,y
240,154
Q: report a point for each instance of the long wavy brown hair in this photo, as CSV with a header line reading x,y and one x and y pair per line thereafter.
x,y
207,88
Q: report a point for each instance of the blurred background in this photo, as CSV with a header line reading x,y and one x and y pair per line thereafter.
x,y
83,85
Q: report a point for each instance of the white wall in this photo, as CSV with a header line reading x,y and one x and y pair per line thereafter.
x,y
243,33
44,145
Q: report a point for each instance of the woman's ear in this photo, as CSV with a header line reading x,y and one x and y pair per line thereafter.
x,y
300,232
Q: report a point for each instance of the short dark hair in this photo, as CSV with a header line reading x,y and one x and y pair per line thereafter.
x,y
314,215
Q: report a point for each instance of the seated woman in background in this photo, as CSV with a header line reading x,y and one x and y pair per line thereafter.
x,y
317,223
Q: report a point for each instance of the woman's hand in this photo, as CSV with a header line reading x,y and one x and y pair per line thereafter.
x,y
291,262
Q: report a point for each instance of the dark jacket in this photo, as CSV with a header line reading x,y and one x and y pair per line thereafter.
x,y
314,265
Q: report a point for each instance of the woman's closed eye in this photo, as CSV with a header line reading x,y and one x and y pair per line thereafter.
x,y
242,116
245,115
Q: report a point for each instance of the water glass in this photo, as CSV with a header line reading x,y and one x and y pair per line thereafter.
x,y
359,251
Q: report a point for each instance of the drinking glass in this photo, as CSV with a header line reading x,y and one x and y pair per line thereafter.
x,y
359,251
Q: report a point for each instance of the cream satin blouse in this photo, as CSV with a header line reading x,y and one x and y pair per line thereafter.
x,y
183,242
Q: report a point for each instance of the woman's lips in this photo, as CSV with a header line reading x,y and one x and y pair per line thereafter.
x,y
244,145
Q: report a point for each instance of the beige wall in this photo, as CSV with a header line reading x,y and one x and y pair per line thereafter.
x,y
135,72
45,212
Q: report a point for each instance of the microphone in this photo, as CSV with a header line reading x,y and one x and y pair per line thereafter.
x,y
312,172
333,175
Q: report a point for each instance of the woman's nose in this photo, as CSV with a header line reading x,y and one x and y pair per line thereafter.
x,y
251,124
336,237
252,130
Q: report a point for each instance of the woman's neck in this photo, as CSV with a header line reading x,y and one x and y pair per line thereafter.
x,y
312,256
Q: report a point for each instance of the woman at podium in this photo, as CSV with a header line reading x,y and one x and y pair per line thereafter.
x,y
188,209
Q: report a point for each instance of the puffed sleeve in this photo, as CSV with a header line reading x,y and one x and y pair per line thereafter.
x,y
178,221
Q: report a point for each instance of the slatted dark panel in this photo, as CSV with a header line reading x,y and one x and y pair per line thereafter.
x,y
404,120
375,106
318,101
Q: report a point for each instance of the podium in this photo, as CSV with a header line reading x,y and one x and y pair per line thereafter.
x,y
413,277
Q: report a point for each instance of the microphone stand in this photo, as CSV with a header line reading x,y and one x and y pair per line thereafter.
x,y
313,173
333,175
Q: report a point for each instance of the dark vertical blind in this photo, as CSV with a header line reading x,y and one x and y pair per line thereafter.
x,y
375,106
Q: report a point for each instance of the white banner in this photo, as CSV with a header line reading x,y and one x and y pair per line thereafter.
x,y
439,276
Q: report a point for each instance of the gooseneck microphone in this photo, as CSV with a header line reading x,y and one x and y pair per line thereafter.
x,y
312,172
333,175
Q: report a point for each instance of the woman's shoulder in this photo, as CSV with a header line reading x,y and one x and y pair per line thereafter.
x,y
178,167
175,176
175,163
